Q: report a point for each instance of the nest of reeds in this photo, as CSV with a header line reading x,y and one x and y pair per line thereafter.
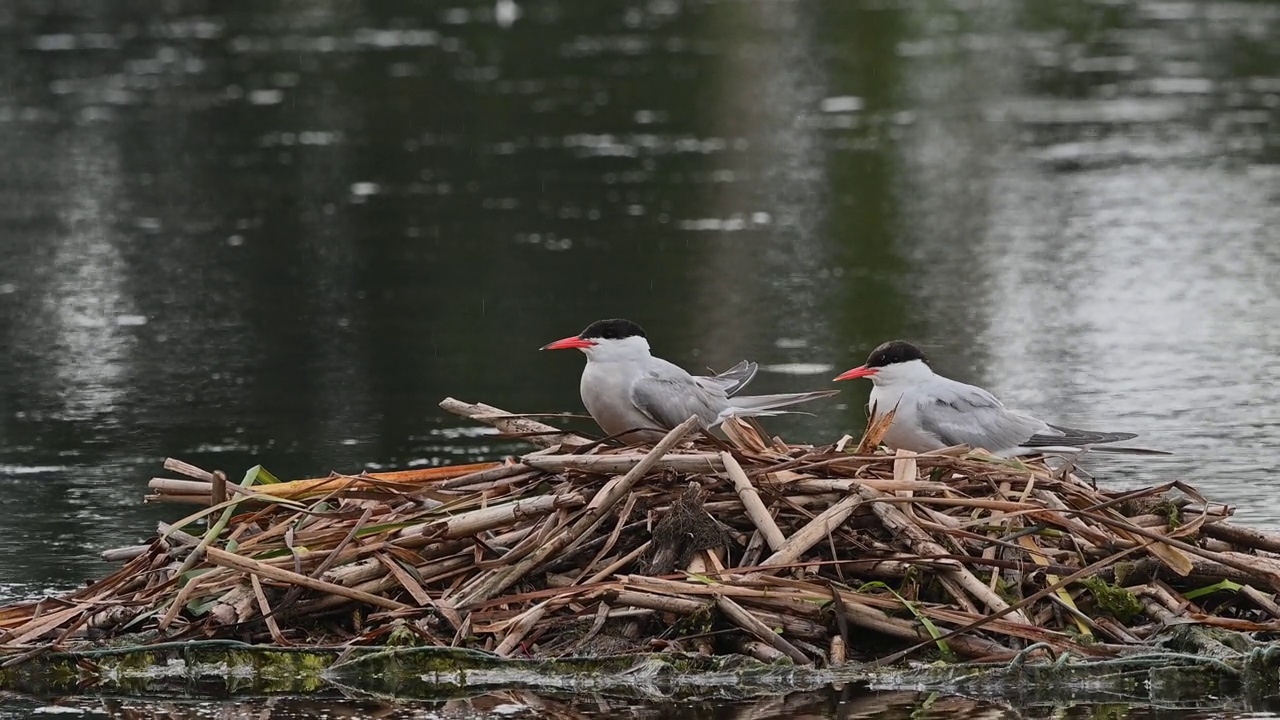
x,y
818,555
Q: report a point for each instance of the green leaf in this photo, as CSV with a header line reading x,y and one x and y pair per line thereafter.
x,y
1220,586
932,629
190,575
281,552
261,475
198,608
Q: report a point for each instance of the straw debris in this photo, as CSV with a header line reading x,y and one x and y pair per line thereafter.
x,y
813,555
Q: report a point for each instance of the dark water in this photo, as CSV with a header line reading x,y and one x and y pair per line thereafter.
x,y
847,703
239,232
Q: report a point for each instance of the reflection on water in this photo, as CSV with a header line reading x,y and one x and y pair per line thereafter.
x,y
845,703
238,233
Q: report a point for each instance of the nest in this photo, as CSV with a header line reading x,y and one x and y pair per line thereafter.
x,y
816,555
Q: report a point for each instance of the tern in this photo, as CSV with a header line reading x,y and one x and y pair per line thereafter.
x,y
933,412
631,393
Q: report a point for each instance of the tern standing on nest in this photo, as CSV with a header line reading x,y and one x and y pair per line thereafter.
x,y
932,412
625,388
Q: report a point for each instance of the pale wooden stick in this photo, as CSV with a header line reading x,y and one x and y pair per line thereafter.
x,y
124,554
353,574
894,519
489,415
563,541
249,565
521,627
813,532
762,632
904,470
621,463
752,503
180,487
205,500
663,603
185,468
760,651
484,476
826,485
177,536
495,516
618,564
838,653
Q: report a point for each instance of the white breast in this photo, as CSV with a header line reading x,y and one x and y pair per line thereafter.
x,y
905,432
606,392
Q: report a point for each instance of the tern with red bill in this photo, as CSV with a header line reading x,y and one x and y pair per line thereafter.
x,y
933,412
639,397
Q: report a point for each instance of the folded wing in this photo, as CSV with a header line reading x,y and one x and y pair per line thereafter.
x,y
968,415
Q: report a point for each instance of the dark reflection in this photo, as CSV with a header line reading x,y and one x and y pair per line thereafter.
x,y
844,703
245,232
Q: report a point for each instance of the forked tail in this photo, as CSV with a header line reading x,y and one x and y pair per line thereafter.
x,y
1096,441
763,405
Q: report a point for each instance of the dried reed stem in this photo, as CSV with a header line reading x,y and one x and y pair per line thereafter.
x,y
752,503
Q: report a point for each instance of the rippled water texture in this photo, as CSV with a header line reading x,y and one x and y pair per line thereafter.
x,y
845,703
240,231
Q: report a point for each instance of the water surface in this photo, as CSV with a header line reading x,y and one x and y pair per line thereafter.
x,y
237,232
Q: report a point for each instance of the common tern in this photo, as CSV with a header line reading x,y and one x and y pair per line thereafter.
x,y
933,412
632,394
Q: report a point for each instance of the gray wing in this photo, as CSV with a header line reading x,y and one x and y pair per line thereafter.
x,y
732,380
960,414
1075,437
668,395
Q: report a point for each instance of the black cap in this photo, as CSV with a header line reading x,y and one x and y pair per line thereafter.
x,y
895,351
615,329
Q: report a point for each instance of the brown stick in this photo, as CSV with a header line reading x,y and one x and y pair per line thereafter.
x,y
272,626
1248,537
924,545
762,632
219,493
873,619
249,565
604,500
1263,600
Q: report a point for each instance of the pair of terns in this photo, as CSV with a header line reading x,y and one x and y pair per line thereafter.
x,y
639,397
